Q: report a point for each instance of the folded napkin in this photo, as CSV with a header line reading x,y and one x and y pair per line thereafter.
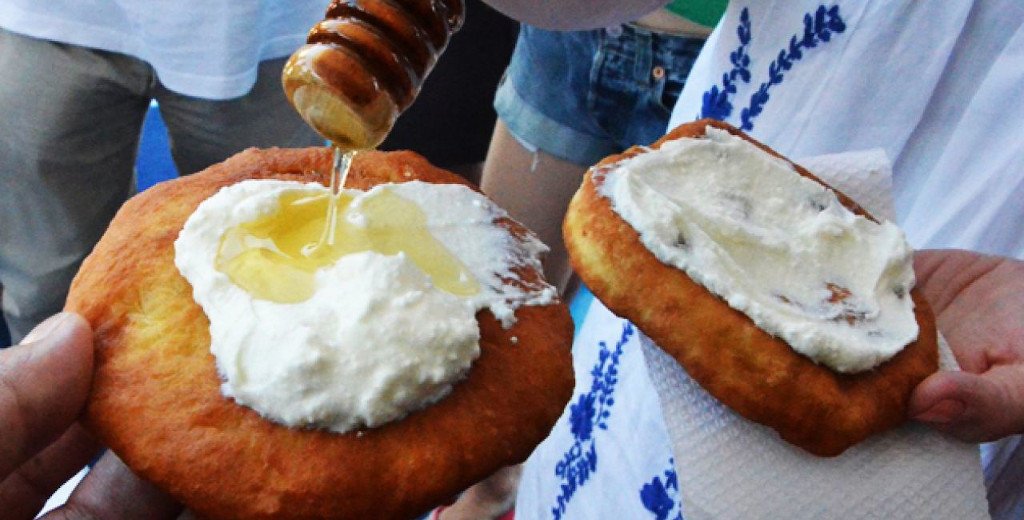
x,y
731,468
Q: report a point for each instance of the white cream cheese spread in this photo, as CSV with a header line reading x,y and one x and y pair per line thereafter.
x,y
773,244
376,339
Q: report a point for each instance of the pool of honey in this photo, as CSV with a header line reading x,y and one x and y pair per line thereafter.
x,y
276,256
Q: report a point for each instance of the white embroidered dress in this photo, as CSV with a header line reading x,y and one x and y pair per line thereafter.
x,y
937,85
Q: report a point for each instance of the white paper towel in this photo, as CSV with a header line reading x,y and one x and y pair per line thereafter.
x,y
731,468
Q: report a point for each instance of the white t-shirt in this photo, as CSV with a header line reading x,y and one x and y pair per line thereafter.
x,y
208,49
935,84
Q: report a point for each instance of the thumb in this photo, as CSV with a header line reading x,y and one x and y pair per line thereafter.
x,y
971,407
44,382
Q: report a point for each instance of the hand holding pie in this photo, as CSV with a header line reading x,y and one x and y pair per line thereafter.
x,y
780,296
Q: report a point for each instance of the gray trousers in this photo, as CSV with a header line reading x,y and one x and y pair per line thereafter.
x,y
70,121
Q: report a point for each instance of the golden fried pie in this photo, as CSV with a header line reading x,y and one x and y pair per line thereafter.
x,y
755,373
156,398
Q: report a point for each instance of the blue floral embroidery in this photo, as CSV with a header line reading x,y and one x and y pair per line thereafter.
x,y
817,29
661,497
590,410
716,102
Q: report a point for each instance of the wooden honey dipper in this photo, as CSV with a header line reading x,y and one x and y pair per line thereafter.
x,y
364,64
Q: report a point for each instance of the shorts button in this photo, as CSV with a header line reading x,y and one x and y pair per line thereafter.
x,y
658,72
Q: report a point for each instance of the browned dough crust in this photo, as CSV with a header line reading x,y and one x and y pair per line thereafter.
x,y
156,400
752,372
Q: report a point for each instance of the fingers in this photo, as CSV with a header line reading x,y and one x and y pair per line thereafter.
x,y
26,490
43,386
978,302
971,407
942,274
112,491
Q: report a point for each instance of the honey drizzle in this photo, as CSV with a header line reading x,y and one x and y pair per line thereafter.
x,y
275,257
340,165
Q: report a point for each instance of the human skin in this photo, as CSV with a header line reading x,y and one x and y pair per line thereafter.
x,y
535,189
979,307
44,384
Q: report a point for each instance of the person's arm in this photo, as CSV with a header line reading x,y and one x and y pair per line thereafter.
x,y
575,14
979,307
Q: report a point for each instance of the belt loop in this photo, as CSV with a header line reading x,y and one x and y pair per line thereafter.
x,y
643,42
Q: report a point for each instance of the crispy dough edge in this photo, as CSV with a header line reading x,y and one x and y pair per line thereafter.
x,y
757,375
156,400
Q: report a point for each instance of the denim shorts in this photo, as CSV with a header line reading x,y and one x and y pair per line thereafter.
x,y
581,96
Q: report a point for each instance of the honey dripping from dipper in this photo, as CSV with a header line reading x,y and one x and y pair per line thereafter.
x,y
361,67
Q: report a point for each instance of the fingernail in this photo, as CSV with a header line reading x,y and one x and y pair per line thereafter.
x,y
46,328
944,411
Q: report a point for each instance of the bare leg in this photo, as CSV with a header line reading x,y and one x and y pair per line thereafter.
x,y
535,188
